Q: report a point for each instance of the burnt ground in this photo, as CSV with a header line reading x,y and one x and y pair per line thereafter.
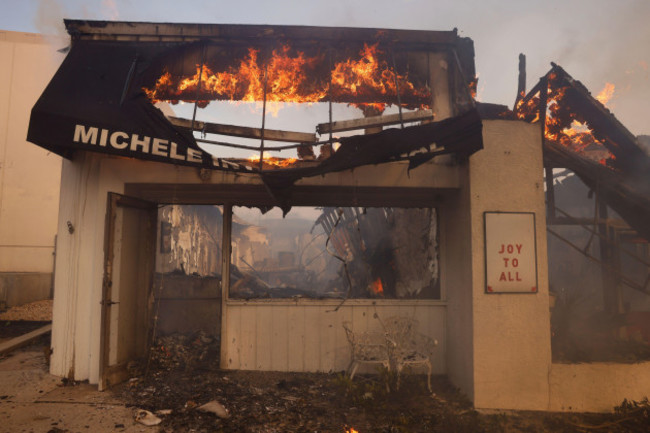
x,y
181,375
15,328
181,379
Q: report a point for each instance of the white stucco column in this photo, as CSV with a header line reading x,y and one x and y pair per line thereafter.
x,y
511,331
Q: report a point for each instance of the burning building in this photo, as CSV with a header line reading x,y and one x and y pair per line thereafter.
x,y
418,207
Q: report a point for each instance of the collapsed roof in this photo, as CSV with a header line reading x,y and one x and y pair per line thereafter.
x,y
102,97
621,172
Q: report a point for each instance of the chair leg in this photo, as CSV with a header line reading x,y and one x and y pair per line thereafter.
x,y
429,376
387,366
399,374
354,370
349,369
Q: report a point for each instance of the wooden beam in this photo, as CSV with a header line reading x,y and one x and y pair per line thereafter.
x,y
521,87
244,131
24,339
369,122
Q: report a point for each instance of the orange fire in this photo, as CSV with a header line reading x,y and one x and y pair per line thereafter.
x,y
271,160
377,287
291,76
370,76
606,94
351,430
285,76
562,125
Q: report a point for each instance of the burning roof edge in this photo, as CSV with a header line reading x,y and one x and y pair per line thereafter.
x,y
129,30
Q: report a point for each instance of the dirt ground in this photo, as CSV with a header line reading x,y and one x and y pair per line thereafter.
x,y
180,376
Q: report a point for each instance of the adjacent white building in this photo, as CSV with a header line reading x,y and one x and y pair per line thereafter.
x,y
29,175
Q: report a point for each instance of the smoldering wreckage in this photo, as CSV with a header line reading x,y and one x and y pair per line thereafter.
x,y
391,235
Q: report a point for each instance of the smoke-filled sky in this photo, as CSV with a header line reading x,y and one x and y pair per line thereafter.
x,y
596,41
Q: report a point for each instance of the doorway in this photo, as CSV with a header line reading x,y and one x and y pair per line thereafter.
x,y
162,285
130,238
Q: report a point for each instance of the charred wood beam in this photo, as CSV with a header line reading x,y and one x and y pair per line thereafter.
x,y
616,137
24,339
629,197
536,89
244,131
521,87
230,33
369,122
548,170
585,223
628,282
572,221
463,99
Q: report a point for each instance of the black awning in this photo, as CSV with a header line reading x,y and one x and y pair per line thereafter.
x,y
95,102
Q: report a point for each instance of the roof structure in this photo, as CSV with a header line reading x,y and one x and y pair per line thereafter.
x,y
623,179
97,100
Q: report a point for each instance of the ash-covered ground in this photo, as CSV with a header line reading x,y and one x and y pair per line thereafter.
x,y
182,375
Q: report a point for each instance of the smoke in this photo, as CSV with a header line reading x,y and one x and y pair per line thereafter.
x,y
599,47
49,18
109,10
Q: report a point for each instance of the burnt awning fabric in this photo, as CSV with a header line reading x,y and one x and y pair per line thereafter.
x,y
95,102
460,135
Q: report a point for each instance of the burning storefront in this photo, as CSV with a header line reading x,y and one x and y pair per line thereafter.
x,y
410,221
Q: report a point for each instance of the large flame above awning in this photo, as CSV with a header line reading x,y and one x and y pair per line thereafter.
x,y
96,102
366,77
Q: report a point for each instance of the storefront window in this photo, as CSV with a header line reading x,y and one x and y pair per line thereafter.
x,y
389,253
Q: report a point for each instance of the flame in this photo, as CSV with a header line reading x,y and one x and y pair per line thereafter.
x,y
473,85
351,430
287,77
369,76
377,287
562,125
271,160
606,94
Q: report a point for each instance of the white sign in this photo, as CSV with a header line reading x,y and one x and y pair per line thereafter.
x,y
510,253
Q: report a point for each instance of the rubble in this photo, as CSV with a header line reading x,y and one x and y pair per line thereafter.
x,y
40,311
184,351
216,408
147,418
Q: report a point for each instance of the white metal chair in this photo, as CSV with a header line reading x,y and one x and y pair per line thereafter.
x,y
367,348
409,348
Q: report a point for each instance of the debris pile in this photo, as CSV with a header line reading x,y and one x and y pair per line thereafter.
x,y
40,311
185,351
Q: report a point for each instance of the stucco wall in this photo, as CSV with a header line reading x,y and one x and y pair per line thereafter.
x,y
512,350
456,277
597,387
29,175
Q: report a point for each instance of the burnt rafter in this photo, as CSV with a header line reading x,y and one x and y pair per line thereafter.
x,y
97,100
628,196
621,179
578,103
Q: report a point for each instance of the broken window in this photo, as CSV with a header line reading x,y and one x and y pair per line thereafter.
x,y
190,240
389,253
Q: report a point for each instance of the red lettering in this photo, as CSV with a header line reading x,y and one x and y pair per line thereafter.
x,y
502,249
510,249
502,277
515,263
505,261
519,248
